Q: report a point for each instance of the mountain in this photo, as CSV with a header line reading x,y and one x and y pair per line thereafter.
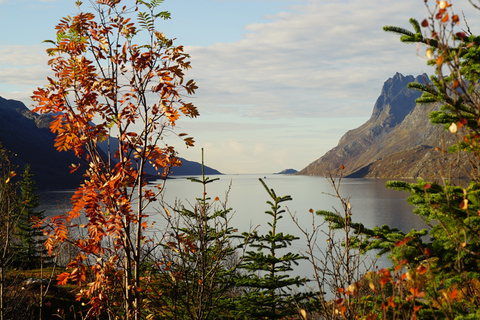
x,y
28,137
187,168
398,141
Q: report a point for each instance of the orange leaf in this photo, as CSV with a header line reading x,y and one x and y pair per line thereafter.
x,y
391,303
439,60
445,18
63,278
453,294
455,19
455,84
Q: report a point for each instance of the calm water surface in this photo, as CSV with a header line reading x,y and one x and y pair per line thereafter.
x,y
372,203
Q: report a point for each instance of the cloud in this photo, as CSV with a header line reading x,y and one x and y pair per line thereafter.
x,y
24,68
325,58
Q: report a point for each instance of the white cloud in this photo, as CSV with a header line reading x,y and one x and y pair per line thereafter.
x,y
318,59
324,59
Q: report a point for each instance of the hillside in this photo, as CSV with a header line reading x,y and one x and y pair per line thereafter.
x,y
397,141
28,137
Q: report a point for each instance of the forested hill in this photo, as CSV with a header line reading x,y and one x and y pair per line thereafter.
x,y
398,141
28,137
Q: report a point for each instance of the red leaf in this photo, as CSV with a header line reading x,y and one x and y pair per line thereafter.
x,y
427,252
425,23
421,269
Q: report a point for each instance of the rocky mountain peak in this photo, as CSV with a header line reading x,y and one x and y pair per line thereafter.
x,y
397,129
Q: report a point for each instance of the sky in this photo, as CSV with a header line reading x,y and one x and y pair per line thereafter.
x,y
280,81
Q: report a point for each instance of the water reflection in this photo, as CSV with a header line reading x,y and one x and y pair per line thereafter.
x,y
372,203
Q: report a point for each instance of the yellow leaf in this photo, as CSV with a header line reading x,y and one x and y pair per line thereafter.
x,y
303,313
429,53
167,211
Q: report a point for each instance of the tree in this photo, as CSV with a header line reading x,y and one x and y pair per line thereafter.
x,y
266,284
106,85
197,260
338,267
30,251
8,221
438,277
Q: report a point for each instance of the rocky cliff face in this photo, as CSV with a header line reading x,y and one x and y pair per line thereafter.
x,y
397,141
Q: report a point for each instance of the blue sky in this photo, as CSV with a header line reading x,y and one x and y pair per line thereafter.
x,y
280,81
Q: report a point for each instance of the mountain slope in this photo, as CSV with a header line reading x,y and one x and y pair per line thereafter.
x,y
29,139
187,167
397,141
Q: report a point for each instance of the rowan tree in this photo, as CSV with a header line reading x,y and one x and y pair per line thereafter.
x,y
105,84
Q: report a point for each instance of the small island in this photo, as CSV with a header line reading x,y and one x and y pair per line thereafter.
x,y
287,171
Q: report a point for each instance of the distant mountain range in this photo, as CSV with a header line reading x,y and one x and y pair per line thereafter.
x,y
398,141
29,139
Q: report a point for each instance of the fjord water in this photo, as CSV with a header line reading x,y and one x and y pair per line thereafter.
x,y
372,203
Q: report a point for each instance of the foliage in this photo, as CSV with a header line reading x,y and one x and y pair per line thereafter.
x,y
338,266
267,286
105,84
30,252
447,261
8,221
197,260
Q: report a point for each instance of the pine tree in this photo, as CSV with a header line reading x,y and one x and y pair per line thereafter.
x,y
198,259
30,250
267,287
